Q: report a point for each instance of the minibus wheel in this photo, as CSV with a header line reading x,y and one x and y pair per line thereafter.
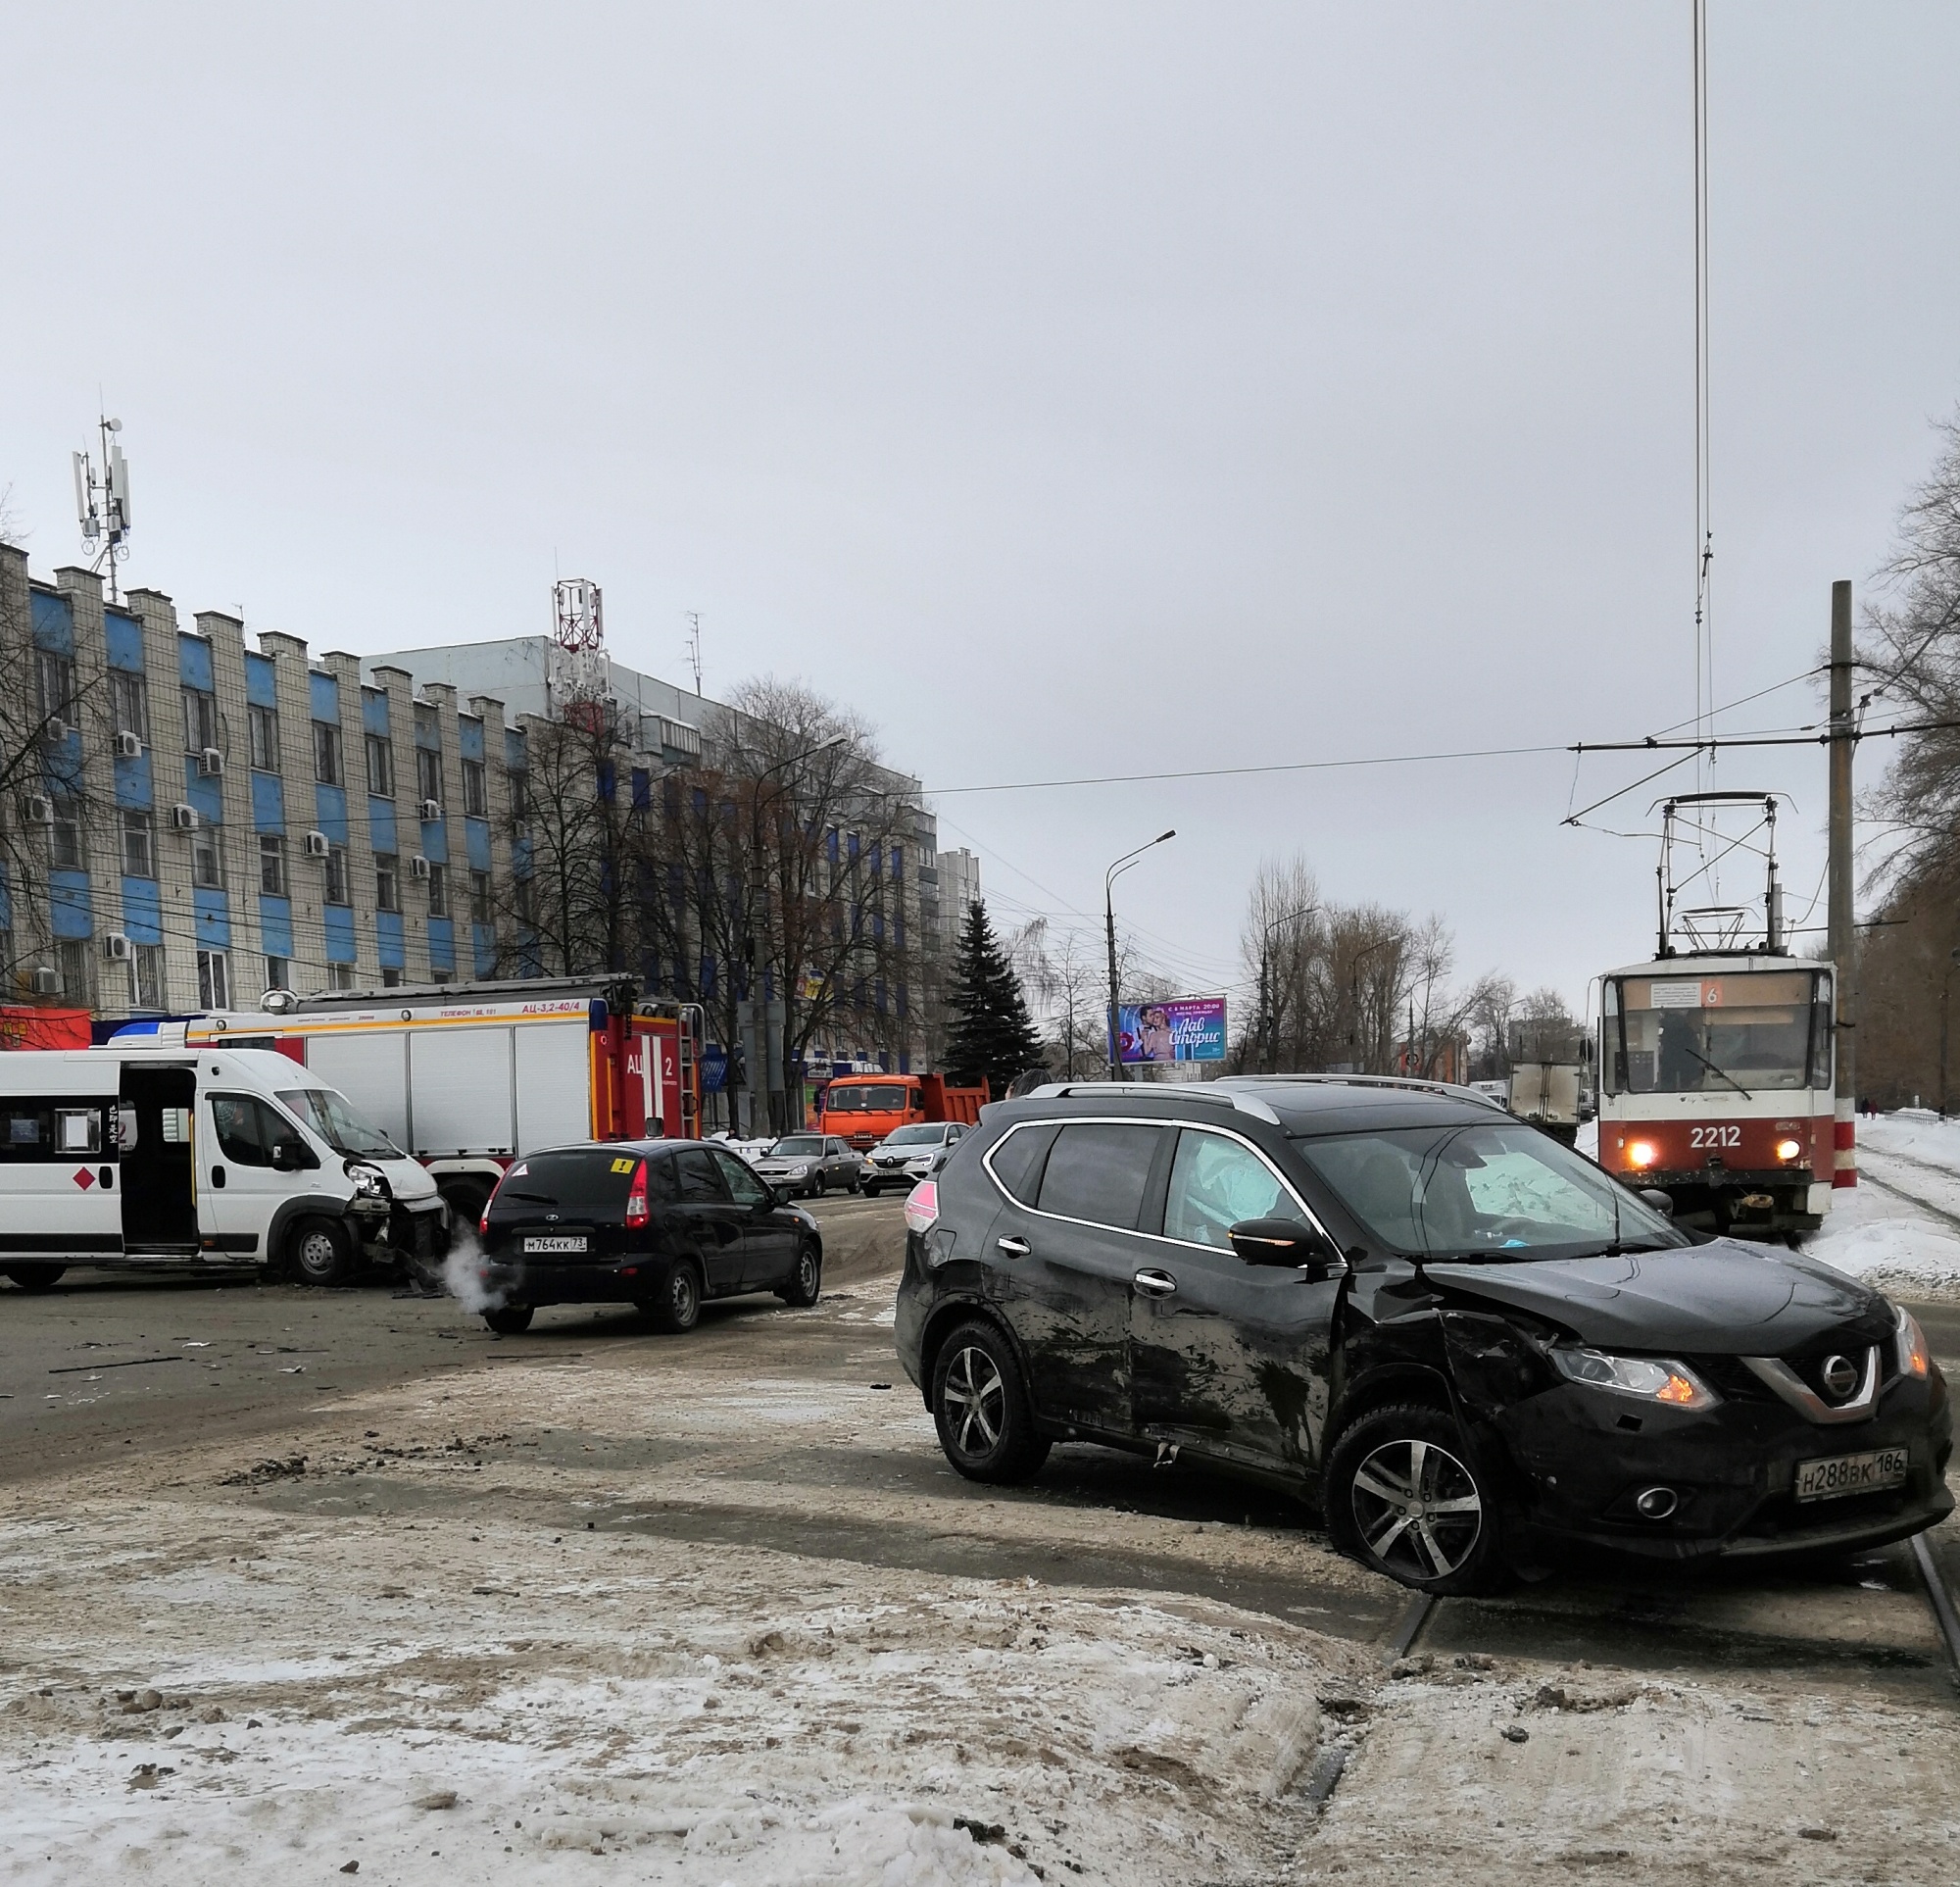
x,y
319,1251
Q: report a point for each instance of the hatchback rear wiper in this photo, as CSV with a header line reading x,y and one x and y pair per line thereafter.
x,y
540,1198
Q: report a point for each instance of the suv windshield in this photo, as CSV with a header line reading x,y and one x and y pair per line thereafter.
x,y
798,1146
1496,1192
329,1116
918,1135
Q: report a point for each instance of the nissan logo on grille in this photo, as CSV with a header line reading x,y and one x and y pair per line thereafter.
x,y
1841,1375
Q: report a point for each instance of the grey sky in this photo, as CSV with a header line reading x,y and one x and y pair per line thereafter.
x,y
1076,390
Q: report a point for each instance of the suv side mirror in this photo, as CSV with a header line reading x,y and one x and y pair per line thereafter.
x,y
289,1156
1288,1244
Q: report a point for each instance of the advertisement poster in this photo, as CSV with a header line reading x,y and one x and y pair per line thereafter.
x,y
1188,1028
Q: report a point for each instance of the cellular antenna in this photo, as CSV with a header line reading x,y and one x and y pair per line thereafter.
x,y
579,675
694,647
102,503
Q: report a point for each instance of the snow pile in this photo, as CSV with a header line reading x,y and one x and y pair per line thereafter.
x,y
1899,1226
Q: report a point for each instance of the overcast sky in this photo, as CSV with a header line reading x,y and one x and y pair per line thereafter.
x,y
1074,390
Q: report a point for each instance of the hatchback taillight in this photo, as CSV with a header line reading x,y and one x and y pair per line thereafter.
x,y
922,1208
636,1196
483,1224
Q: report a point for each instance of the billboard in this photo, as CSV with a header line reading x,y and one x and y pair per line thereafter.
x,y
1187,1029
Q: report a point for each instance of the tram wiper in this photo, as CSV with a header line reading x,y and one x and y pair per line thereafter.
x,y
1714,1068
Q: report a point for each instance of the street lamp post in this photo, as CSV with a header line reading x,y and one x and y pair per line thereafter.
x,y
1266,1017
1109,878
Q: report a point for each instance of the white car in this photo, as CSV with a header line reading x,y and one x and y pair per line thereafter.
x,y
907,1154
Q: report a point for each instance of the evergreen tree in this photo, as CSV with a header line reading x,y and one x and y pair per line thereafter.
x,y
992,1037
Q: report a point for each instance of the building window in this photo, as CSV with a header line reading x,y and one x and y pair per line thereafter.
x,y
273,872
387,881
475,790
340,975
279,973
519,785
54,685
438,890
262,726
200,719
326,753
337,891
146,977
139,844
391,979
76,965
521,898
67,852
479,897
207,857
129,704
428,775
214,980
380,765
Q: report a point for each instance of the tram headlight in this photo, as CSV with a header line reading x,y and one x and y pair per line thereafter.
x,y
1642,1153
1789,1149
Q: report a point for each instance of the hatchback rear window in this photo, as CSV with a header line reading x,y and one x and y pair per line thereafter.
x,y
1098,1170
595,1178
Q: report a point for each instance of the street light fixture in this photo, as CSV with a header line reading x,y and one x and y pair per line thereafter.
x,y
1109,878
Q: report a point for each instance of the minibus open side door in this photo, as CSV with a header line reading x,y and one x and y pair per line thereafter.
x,y
158,1103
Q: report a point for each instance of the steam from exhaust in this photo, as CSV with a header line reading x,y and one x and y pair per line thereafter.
x,y
463,1274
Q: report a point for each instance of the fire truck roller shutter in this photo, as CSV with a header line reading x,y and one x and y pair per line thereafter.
x,y
553,1085
462,1077
371,1070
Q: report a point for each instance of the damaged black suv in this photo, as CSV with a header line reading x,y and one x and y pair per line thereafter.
x,y
1462,1340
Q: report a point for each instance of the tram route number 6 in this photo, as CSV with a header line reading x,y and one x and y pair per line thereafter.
x,y
1699,1137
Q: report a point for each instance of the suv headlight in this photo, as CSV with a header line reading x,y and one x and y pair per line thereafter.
x,y
1914,1359
1646,1378
367,1182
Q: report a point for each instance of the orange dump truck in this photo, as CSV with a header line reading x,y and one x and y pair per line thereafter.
x,y
862,1108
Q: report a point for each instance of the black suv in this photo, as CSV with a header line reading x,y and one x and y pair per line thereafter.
x,y
1464,1340
657,1223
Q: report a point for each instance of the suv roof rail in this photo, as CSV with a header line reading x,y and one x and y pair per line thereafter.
x,y
1167,1091
1421,1084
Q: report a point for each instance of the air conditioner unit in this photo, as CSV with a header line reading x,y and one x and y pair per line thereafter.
x,y
129,747
54,730
47,982
184,817
211,763
431,810
40,809
115,946
315,844
419,867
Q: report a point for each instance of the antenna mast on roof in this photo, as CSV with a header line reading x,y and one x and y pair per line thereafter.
x,y
579,676
102,504
694,647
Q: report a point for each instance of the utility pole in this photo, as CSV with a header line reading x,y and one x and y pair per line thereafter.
x,y
1109,878
1843,920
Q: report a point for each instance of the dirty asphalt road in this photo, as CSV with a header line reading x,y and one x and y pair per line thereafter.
x,y
107,1366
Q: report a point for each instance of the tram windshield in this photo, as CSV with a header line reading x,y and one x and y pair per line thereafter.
x,y
1754,1031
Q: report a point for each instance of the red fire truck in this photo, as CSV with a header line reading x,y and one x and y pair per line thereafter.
x,y
468,1077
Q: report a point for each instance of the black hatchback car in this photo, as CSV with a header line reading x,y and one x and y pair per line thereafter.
x,y
662,1224
1461,1339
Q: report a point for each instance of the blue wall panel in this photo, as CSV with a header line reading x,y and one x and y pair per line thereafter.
x,y
125,640
332,804
476,842
324,693
214,920
193,660
54,623
483,937
388,941
261,684
382,824
435,841
442,944
337,919
374,712
276,926
72,907
204,791
268,807
132,781
142,911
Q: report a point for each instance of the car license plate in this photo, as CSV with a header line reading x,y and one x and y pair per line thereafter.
x,y
1826,1480
558,1243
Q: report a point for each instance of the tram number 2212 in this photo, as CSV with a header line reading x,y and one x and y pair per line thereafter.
x,y
1699,1137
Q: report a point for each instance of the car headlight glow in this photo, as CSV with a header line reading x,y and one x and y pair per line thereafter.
x,y
1914,1359
1642,1153
1789,1149
1649,1378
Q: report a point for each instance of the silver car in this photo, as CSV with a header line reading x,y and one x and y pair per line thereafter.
x,y
809,1163
907,1155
